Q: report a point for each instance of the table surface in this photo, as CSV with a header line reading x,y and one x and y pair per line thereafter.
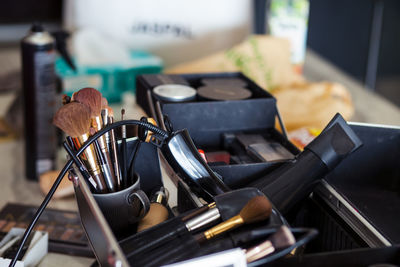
x,y
369,108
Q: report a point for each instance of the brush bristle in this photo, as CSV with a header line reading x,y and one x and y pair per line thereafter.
x,y
257,209
73,118
91,98
283,238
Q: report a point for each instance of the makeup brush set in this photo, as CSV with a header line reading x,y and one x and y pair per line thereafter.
x,y
246,202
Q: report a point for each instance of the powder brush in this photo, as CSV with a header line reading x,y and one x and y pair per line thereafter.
x,y
74,119
94,100
91,98
256,209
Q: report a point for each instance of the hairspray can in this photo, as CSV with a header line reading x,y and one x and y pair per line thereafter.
x,y
39,94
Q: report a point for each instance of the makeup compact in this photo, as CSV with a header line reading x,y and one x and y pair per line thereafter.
x,y
174,93
223,92
231,81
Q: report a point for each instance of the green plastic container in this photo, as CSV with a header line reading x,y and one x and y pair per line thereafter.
x,y
111,80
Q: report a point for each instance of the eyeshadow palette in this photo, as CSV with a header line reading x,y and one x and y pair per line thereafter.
x,y
66,234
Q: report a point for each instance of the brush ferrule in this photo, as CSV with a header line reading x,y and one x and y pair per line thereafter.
x,y
90,155
91,162
203,219
224,227
105,122
123,131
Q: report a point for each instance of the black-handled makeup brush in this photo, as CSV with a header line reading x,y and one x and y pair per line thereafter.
x,y
257,209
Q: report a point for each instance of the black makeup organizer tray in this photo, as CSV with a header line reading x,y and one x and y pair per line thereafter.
x,y
215,125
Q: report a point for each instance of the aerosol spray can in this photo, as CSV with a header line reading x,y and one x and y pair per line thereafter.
x,y
39,95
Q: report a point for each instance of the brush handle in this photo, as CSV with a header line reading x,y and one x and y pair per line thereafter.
x,y
223,227
108,169
105,168
124,165
114,155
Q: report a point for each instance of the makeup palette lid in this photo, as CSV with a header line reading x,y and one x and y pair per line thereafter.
x,y
175,92
215,92
236,82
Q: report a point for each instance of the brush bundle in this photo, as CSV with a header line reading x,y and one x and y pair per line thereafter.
x,y
250,224
81,117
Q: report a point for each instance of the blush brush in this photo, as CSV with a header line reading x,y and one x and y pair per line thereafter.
x,y
74,119
94,100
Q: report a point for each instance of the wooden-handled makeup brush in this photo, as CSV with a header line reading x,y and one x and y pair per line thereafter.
x,y
94,100
74,119
257,209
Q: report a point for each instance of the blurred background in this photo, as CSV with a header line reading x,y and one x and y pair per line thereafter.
x,y
360,37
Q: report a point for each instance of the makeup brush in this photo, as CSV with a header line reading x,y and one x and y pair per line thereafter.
x,y
102,161
89,97
124,157
74,119
257,209
198,211
114,150
93,99
282,238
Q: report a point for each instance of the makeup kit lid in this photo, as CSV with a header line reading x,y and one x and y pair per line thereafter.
x,y
174,92
223,92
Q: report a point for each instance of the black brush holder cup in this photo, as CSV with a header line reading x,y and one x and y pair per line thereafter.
x,y
124,208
